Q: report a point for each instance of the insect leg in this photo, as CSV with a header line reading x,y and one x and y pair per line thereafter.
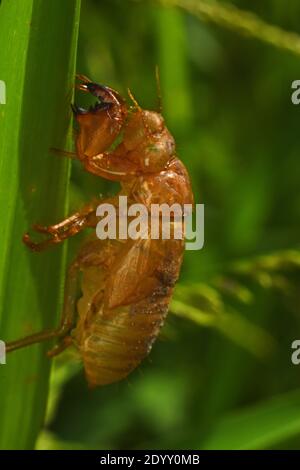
x,y
61,346
111,166
88,256
64,153
68,313
68,227
67,318
32,339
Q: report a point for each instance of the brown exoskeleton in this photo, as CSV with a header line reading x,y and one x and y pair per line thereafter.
x,y
126,285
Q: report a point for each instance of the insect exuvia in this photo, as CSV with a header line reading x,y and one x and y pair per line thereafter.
x,y
126,286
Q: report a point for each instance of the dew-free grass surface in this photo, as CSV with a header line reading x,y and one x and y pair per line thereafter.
x,y
37,63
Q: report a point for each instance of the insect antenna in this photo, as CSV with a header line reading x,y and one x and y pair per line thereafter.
x,y
133,99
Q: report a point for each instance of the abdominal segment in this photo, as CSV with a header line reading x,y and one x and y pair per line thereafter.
x,y
115,346
113,341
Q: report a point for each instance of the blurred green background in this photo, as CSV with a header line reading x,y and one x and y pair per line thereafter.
x,y
226,98
220,375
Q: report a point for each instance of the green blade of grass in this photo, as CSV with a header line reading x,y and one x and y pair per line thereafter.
x,y
258,427
37,61
241,21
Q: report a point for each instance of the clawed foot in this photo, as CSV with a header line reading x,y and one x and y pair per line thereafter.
x,y
59,232
106,97
84,81
53,238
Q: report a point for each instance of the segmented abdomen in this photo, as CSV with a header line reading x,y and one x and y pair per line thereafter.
x,y
112,344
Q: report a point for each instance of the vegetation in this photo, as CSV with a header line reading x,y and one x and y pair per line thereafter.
x,y
37,65
221,376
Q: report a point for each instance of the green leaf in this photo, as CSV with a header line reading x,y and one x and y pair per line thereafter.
x,y
37,62
48,441
209,310
258,427
241,21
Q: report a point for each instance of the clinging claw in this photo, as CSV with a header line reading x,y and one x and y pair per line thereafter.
x,y
41,245
78,110
85,80
107,98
